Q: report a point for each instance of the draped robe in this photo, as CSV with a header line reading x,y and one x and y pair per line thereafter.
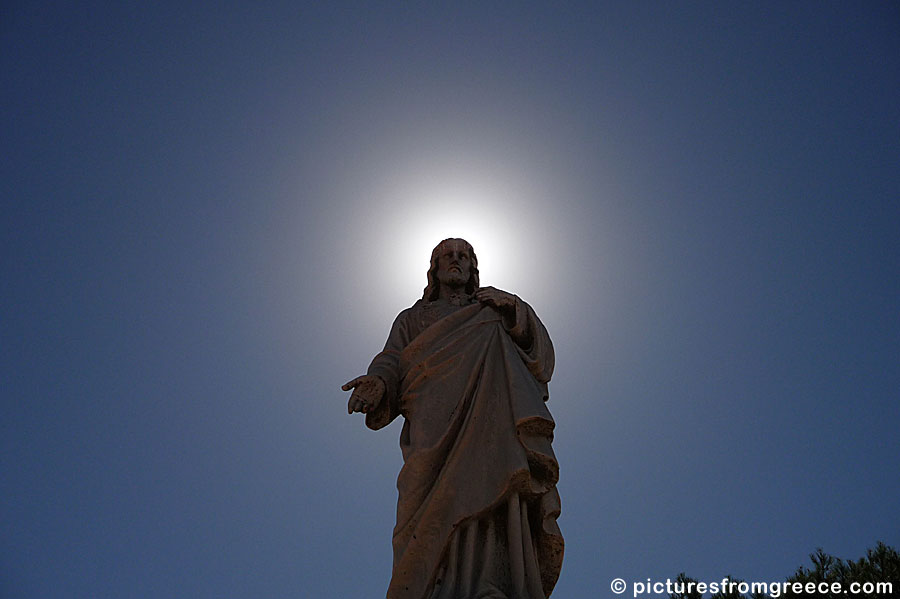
x,y
477,506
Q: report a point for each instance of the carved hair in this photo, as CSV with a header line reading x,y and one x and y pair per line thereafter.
x,y
433,288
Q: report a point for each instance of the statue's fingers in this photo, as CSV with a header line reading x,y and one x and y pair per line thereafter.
x,y
351,384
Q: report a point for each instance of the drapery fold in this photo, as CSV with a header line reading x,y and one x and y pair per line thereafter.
x,y
479,470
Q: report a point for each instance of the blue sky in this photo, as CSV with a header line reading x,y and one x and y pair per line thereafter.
x,y
212,213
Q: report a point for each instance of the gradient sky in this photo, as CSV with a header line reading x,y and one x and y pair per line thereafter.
x,y
212,213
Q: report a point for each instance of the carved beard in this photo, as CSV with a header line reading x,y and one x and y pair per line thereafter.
x,y
453,278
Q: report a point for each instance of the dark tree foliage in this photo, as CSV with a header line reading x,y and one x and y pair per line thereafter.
x,y
881,564
681,581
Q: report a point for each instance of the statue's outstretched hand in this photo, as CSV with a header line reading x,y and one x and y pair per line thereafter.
x,y
501,300
368,390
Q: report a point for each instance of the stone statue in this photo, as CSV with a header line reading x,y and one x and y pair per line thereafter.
x,y
468,367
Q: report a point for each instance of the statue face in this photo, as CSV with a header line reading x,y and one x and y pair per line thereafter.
x,y
454,263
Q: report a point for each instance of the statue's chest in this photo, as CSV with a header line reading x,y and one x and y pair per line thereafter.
x,y
431,313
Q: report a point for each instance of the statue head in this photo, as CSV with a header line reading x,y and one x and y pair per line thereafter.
x,y
435,272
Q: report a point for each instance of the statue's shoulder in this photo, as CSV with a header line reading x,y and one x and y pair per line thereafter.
x,y
412,312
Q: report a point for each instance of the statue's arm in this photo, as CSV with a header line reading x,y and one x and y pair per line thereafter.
x,y
520,324
538,353
525,328
514,313
386,368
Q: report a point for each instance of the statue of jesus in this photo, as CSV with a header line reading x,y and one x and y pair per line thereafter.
x,y
467,367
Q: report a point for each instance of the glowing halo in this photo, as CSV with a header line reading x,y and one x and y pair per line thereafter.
x,y
414,250
407,206
435,216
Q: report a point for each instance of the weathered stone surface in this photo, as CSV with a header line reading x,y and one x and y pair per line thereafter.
x,y
467,367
